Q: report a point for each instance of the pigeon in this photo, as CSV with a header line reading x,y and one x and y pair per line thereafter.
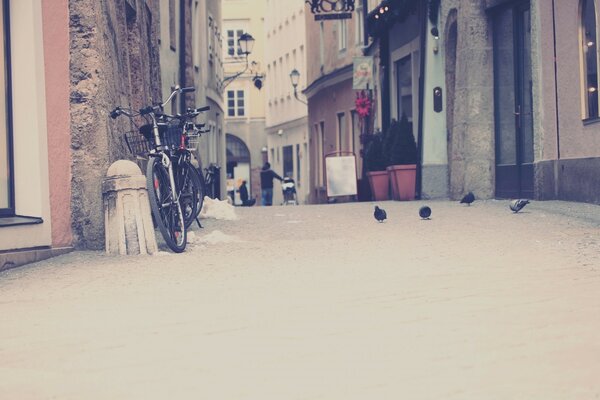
x,y
425,212
468,199
517,205
379,214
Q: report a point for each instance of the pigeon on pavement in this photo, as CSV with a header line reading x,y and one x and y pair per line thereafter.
x,y
425,212
468,199
517,205
379,214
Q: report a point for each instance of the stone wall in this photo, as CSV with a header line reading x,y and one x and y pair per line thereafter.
x,y
470,97
114,61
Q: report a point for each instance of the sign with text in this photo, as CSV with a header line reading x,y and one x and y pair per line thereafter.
x,y
363,73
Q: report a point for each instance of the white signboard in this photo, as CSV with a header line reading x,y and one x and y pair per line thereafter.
x,y
362,73
341,176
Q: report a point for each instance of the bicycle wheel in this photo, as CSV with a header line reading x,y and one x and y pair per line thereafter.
x,y
192,193
166,211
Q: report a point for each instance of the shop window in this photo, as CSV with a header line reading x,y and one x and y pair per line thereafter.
x,y
7,207
589,45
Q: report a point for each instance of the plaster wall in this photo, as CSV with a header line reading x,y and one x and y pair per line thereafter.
x,y
434,144
327,45
207,52
169,55
30,129
285,27
329,91
293,133
248,15
56,49
324,106
286,116
577,140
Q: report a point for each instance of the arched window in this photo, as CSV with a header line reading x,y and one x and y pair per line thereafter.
x,y
589,46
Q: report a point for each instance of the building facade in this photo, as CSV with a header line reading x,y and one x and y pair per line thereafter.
x,y
243,97
191,56
333,121
521,98
35,161
286,114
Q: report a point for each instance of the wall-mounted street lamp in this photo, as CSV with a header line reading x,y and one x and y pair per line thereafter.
x,y
246,44
436,36
295,78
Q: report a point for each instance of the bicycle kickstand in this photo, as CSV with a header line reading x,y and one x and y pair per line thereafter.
x,y
198,222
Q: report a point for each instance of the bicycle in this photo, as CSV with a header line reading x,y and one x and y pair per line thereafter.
x,y
174,190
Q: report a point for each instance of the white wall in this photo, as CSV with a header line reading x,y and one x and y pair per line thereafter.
x,y
29,127
286,117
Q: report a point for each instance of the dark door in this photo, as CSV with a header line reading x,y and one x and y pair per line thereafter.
x,y
513,101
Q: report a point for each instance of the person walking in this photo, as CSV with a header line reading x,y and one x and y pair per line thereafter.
x,y
266,184
243,190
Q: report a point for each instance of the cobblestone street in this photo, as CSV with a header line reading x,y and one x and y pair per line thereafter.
x,y
320,302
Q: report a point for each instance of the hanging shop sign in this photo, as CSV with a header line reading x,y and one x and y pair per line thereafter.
x,y
362,73
331,9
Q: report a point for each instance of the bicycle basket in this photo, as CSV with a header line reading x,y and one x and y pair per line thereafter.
x,y
136,143
191,141
170,134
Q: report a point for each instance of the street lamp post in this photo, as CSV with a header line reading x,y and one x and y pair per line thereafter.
x,y
246,44
295,78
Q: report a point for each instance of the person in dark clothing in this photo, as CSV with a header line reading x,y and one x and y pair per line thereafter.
x,y
243,190
266,184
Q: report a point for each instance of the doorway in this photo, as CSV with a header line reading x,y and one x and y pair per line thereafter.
x,y
513,101
238,167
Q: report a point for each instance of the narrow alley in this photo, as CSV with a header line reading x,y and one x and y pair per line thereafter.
x,y
476,303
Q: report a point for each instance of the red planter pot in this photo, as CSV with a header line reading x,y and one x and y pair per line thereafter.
x,y
379,182
403,179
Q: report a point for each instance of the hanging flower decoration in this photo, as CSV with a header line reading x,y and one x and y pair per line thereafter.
x,y
363,104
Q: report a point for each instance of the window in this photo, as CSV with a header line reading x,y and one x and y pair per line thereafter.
x,y
6,169
197,35
172,25
211,38
342,34
319,134
359,27
590,59
321,44
233,48
298,164
342,139
356,146
236,106
288,161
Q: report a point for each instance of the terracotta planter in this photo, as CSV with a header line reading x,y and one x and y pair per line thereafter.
x,y
379,182
403,179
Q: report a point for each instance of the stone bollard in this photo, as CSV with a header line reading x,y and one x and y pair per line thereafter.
x,y
127,220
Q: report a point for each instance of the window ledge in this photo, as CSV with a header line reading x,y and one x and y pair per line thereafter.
x,y
19,220
591,121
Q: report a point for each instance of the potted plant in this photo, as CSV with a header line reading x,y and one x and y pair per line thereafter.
x,y
402,159
375,165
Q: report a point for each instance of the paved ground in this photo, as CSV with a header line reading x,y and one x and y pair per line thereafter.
x,y
321,302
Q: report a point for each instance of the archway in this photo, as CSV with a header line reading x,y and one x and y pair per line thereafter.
x,y
238,166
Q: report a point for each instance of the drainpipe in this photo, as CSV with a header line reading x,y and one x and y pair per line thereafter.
x,y
423,15
182,31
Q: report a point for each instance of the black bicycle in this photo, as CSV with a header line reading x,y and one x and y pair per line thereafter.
x,y
175,190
